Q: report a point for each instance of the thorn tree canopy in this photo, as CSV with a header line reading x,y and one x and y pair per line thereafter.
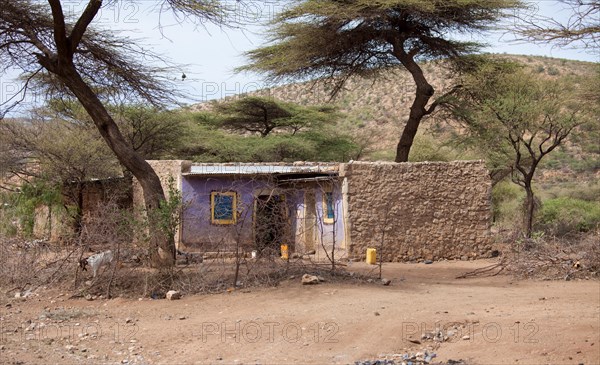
x,y
262,115
336,39
580,30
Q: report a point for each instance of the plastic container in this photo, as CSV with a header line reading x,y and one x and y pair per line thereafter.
x,y
371,256
285,254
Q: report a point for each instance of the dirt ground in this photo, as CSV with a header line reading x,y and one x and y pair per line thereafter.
x,y
483,320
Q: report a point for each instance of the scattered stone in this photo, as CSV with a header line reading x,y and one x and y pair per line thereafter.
x,y
70,348
428,262
377,314
321,279
309,279
88,297
386,282
173,295
181,318
466,337
128,320
88,283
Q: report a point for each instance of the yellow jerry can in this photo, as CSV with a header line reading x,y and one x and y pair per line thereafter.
x,y
371,256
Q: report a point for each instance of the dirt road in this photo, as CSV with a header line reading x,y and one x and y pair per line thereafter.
x,y
491,320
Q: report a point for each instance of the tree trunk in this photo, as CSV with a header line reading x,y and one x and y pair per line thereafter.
x,y
529,210
128,157
423,94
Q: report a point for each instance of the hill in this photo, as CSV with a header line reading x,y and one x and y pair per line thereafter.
x,y
377,108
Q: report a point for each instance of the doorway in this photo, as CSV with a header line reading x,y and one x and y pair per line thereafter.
x,y
270,224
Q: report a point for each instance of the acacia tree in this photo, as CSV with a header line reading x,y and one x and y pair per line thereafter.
x,y
262,115
66,56
580,30
338,39
519,117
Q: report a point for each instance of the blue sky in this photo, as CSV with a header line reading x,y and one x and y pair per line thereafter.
x,y
209,54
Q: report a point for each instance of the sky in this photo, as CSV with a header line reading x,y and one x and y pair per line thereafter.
x,y
209,54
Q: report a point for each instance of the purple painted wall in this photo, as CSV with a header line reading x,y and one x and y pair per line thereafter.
x,y
198,231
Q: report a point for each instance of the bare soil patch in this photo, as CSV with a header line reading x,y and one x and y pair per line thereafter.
x,y
486,320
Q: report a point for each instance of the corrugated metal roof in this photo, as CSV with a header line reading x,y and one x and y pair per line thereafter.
x,y
262,169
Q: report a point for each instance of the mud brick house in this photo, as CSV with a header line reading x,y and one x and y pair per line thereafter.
x,y
429,210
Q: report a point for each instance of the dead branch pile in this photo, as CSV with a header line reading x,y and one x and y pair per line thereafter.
x,y
556,259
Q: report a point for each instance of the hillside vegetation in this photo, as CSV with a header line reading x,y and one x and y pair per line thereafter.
x,y
376,109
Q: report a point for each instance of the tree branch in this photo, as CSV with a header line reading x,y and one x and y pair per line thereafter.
x,y
60,31
82,23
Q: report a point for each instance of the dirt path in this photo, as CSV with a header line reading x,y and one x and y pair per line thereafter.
x,y
491,321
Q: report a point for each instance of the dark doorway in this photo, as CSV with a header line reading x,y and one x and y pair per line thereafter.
x,y
270,224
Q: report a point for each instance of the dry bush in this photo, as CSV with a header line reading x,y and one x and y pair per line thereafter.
x,y
31,264
553,258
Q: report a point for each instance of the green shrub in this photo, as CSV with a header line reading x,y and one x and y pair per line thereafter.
x,y
428,148
507,202
562,216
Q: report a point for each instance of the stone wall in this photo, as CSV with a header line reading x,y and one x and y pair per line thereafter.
x,y
430,210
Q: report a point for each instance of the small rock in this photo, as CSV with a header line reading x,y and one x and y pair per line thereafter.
x,y
386,282
377,314
309,279
428,262
466,337
173,295
321,279
88,283
128,320
88,297
181,318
